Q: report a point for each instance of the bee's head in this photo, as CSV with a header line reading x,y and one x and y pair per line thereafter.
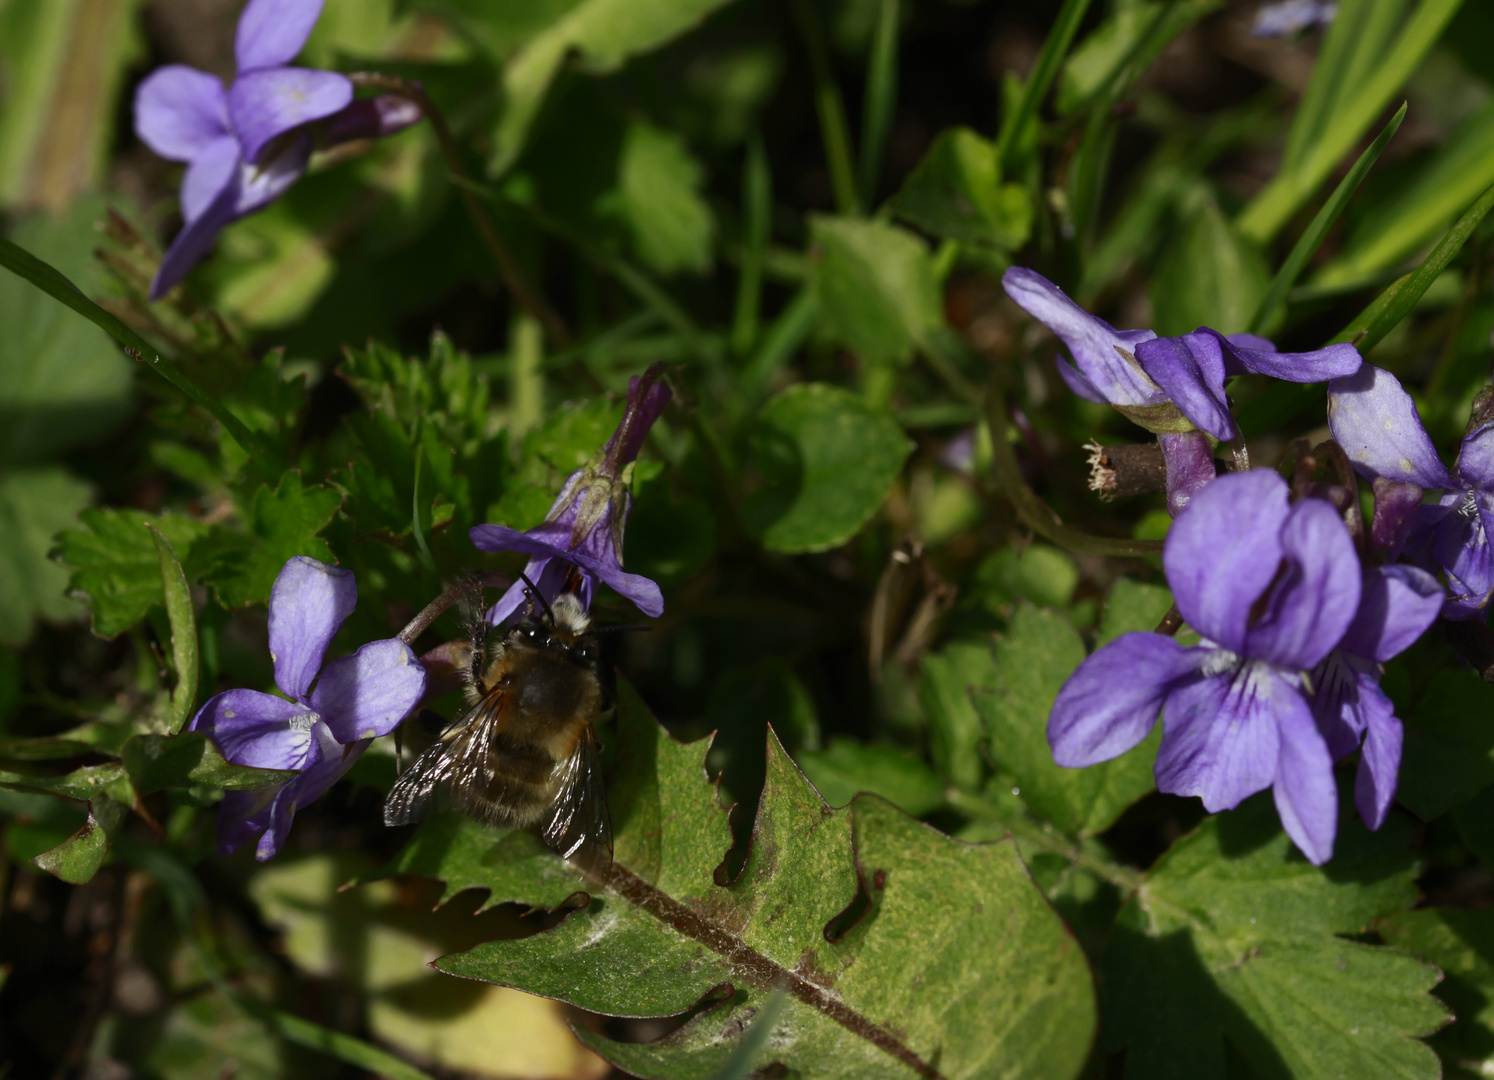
x,y
562,627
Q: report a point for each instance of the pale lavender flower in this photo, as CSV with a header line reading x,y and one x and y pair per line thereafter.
x,y
1288,17
245,146
1272,587
333,713
1376,422
583,532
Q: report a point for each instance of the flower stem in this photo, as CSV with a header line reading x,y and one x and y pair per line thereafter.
x,y
508,267
437,607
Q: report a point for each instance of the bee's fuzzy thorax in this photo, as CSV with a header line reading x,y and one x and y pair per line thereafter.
x,y
570,617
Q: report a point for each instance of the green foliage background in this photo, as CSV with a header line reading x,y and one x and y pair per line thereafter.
x,y
803,209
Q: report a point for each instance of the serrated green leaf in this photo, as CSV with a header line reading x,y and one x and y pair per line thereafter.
x,y
847,768
876,287
1209,276
994,988
828,460
283,522
658,198
1131,606
1233,935
78,858
183,631
116,563
956,193
158,762
82,784
1038,573
1449,749
35,505
603,34
1461,943
1033,660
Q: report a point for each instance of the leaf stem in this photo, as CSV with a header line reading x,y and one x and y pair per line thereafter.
x,y
508,267
437,607
1042,835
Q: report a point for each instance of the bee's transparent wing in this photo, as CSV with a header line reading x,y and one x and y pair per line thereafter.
x,y
577,827
426,784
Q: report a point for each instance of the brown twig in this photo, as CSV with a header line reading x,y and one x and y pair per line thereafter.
x,y
1117,472
513,278
437,607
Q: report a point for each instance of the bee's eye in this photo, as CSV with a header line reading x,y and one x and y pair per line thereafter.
x,y
585,652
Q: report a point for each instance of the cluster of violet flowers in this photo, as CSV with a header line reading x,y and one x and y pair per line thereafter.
x,y
332,711
1296,606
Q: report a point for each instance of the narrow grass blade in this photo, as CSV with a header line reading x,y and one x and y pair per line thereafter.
x,y
757,212
834,129
1049,61
51,281
881,99
1308,243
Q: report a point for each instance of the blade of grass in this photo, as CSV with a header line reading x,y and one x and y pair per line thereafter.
x,y
1310,240
55,284
1050,59
757,212
1355,109
743,1061
1387,310
834,129
881,99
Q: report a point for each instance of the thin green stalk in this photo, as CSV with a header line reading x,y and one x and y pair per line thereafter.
x,y
1313,236
55,284
834,129
1049,61
415,528
881,99
781,341
1395,303
1049,839
757,213
526,376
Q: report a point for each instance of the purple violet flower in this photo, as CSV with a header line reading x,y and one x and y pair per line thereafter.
x,y
1287,17
1376,422
323,730
1170,386
584,529
1272,587
245,146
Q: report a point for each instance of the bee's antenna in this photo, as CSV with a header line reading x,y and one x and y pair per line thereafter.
x,y
620,628
534,594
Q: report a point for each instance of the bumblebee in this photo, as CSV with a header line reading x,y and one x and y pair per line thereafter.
x,y
525,751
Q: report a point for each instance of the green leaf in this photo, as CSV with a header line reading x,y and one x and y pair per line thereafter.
x,y
963,984
1039,573
82,784
658,198
1014,140
945,682
1035,658
1209,276
876,287
1132,605
828,461
62,383
283,523
956,192
1387,310
35,505
117,564
183,631
846,768
78,858
1233,936
1132,36
1449,750
1461,943
158,762
603,35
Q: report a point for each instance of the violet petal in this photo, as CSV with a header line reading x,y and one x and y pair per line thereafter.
x,y
259,185
1335,702
1476,458
1306,796
638,419
1398,604
268,103
308,603
644,593
179,111
1091,340
367,694
1395,515
1078,382
1315,598
1190,371
209,176
1460,545
193,242
1377,424
1380,761
1219,735
259,730
1320,365
372,118
272,32
1111,701
1223,551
